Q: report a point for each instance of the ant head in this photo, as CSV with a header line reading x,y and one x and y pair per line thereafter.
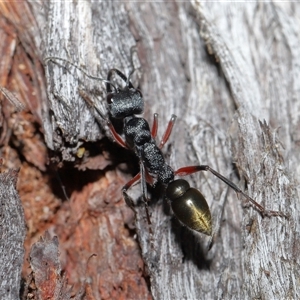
x,y
123,102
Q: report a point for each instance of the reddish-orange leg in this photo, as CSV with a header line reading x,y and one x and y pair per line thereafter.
x,y
193,169
130,183
167,132
113,132
116,136
154,126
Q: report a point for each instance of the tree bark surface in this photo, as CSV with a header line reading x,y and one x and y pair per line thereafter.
x,y
12,231
230,72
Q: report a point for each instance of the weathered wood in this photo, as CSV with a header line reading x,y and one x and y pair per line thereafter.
x,y
12,221
255,47
46,270
223,69
12,232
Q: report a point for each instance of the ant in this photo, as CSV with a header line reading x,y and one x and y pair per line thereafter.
x,y
188,204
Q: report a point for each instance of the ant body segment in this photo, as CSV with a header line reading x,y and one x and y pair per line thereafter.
x,y
188,204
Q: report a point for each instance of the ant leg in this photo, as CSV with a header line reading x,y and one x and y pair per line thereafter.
x,y
144,193
154,126
167,132
193,169
125,188
145,176
113,132
115,135
19,106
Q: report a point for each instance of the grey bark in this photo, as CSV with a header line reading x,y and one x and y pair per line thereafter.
x,y
230,72
12,232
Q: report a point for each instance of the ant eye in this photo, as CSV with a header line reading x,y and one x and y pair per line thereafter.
x,y
109,98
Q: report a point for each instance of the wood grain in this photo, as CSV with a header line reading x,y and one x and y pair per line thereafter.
x,y
230,73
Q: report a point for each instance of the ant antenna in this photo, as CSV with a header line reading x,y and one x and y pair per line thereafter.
x,y
54,58
132,51
128,77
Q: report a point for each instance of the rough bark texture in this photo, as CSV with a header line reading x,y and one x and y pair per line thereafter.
x,y
230,72
12,232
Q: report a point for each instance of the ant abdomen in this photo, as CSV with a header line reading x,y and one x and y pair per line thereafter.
x,y
189,206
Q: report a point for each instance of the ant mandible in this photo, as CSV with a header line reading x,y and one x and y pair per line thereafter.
x,y
188,204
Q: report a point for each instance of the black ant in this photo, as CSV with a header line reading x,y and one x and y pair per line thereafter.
x,y
188,204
